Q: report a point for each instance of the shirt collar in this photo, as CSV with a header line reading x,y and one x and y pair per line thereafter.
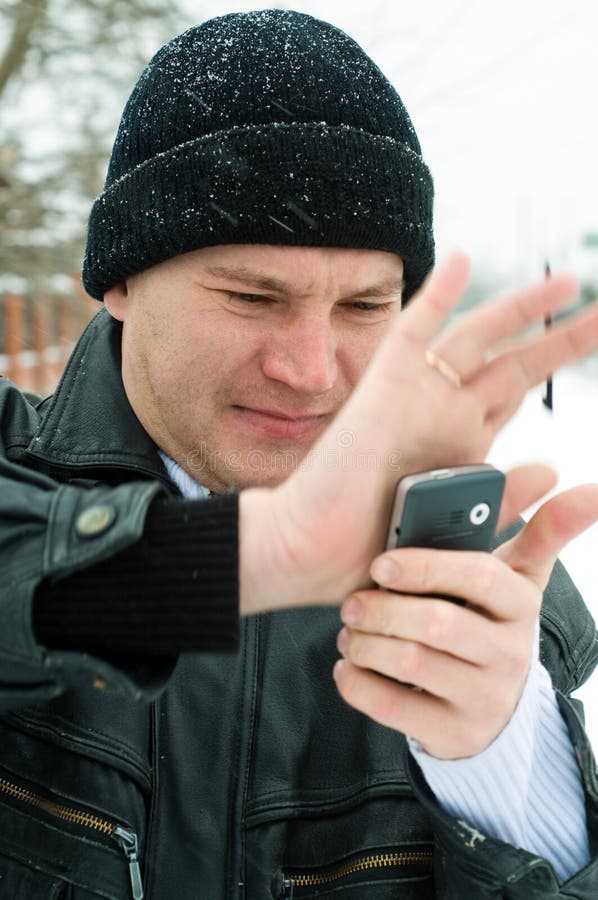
x,y
189,488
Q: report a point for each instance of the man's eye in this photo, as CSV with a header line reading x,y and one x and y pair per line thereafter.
x,y
247,298
362,306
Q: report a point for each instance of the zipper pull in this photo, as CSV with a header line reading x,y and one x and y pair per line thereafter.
x,y
288,888
128,842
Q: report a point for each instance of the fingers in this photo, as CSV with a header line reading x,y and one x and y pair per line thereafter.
x,y
468,355
469,664
466,345
509,376
426,622
465,348
445,729
481,579
534,550
391,704
409,663
421,321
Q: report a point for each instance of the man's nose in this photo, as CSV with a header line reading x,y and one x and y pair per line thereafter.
x,y
302,354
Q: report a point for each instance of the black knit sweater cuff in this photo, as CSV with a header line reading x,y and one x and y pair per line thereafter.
x,y
175,590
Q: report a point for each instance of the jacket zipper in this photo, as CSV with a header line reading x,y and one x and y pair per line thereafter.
x,y
124,837
377,861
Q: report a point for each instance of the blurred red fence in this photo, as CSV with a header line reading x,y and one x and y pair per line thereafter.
x,y
37,334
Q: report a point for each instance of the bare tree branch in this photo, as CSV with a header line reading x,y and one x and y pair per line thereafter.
x,y
27,14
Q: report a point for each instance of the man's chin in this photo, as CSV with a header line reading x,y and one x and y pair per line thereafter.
x,y
240,480
238,470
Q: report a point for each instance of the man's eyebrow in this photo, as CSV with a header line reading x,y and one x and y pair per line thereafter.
x,y
388,287
249,277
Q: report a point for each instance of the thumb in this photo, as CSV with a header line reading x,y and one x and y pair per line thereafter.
x,y
534,550
524,485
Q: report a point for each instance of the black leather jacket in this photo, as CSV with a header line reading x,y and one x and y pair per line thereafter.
x,y
236,775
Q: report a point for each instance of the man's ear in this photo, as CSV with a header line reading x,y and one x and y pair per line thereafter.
x,y
115,301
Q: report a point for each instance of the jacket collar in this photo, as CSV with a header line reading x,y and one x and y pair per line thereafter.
x,y
89,423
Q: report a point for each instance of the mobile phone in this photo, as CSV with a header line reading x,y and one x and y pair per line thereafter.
x,y
453,509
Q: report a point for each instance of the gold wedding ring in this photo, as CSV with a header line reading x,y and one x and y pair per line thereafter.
x,y
436,362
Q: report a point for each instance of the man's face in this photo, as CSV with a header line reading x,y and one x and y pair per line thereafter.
x,y
237,357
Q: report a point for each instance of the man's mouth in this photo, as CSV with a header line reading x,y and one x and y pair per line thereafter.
x,y
279,423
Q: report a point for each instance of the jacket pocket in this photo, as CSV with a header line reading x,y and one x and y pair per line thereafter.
x,y
378,873
58,847
375,845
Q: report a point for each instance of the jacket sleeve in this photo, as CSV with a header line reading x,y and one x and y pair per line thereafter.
x,y
175,590
50,530
470,864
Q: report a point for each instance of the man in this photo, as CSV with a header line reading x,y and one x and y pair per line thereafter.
x,y
265,210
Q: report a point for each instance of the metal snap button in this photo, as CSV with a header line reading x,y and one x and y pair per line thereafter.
x,y
95,520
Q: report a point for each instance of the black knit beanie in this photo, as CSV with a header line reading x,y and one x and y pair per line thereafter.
x,y
265,127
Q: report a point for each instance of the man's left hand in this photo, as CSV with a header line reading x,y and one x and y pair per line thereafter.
x,y
468,662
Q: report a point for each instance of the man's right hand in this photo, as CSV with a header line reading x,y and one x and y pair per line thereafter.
x,y
311,540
